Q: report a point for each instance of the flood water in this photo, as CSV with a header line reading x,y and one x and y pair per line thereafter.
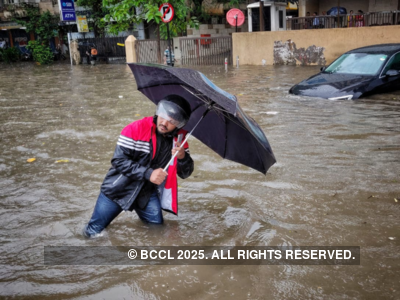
x,y
335,184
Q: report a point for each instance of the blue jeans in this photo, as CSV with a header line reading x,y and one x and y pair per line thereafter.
x,y
107,210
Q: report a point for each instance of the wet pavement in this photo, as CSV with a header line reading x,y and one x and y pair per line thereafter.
x,y
335,184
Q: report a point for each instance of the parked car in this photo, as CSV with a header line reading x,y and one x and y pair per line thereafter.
x,y
357,73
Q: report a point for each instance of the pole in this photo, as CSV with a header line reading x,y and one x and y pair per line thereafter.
x,y
236,17
261,15
169,46
226,64
338,8
158,44
69,44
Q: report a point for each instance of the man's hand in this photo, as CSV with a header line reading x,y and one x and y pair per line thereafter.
x,y
181,151
158,176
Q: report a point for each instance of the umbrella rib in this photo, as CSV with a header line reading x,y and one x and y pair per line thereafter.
x,y
219,110
204,100
197,96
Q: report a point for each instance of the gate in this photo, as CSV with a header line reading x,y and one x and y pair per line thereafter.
x,y
146,50
206,50
107,47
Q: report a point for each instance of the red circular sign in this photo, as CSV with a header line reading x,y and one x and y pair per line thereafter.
x,y
234,15
167,12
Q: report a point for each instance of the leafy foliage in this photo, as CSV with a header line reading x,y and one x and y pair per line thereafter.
x,y
98,11
45,25
41,52
9,55
125,13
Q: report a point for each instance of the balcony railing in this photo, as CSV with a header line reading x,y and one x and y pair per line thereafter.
x,y
342,21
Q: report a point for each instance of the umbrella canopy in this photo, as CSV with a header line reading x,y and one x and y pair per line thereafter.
x,y
226,129
334,11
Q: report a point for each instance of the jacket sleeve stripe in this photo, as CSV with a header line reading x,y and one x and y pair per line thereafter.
x,y
124,145
124,138
146,150
142,149
131,142
143,144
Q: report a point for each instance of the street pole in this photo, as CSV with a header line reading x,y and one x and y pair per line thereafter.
x,y
158,44
236,17
169,46
69,46
69,43
261,15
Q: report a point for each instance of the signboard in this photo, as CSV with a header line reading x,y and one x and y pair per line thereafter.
x,y
235,17
82,24
167,12
67,10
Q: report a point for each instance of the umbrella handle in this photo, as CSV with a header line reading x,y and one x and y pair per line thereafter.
x,y
187,136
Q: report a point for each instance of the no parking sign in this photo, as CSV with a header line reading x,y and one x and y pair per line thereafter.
x,y
167,12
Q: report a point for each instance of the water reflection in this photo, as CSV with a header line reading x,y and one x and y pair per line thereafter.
x,y
334,184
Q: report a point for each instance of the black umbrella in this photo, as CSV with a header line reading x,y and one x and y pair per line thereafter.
x,y
221,123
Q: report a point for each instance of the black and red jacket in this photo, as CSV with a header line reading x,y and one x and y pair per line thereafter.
x,y
135,149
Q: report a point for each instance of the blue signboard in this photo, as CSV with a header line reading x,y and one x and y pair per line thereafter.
x,y
67,10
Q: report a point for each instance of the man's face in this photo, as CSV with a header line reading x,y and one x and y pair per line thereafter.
x,y
164,126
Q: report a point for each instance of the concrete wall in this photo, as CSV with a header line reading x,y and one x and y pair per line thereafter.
x,y
312,6
216,29
253,47
47,5
383,5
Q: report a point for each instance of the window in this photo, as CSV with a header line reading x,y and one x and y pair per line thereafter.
x,y
280,19
393,64
357,63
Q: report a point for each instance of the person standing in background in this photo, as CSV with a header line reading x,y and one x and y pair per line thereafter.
x,y
360,18
315,20
350,19
169,59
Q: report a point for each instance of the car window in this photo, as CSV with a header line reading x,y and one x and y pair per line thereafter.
x,y
357,63
393,64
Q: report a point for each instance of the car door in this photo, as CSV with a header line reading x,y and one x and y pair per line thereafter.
x,y
389,83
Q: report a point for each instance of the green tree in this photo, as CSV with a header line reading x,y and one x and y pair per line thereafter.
x,y
9,55
123,14
45,26
97,13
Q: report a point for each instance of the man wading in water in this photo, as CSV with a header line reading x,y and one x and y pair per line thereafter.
x,y
136,180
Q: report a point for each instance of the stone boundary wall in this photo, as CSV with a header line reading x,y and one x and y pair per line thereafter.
x,y
215,30
307,47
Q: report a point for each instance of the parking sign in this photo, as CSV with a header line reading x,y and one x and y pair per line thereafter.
x,y
167,12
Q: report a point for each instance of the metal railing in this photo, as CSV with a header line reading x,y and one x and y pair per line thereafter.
x,y
206,50
106,47
357,20
383,18
147,50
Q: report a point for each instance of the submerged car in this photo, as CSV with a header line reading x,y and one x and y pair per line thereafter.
x,y
356,73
